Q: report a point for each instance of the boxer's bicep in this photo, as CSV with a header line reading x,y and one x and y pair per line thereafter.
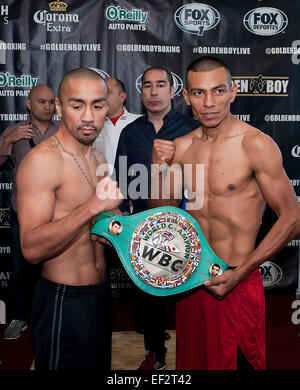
x,y
266,162
276,190
37,180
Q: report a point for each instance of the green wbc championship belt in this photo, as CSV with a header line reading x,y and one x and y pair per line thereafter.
x,y
163,250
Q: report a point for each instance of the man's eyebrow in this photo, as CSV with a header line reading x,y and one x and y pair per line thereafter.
x,y
203,89
100,100
220,86
78,100
156,81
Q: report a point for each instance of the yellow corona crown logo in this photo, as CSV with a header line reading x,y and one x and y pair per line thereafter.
x,y
58,5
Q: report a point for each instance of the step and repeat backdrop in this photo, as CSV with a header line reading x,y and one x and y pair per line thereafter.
x,y
41,40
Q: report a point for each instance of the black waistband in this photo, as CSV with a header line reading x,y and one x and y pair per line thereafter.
x,y
67,290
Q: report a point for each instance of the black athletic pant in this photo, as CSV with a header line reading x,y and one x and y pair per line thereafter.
x,y
71,327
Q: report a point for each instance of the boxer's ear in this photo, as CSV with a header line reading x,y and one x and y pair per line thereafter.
x,y
58,107
186,96
233,92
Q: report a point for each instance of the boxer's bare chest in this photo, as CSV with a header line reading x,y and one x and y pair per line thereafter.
x,y
78,179
223,164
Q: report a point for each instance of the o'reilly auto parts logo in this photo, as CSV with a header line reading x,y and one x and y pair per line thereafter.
x,y
177,84
271,273
10,80
116,13
196,18
265,21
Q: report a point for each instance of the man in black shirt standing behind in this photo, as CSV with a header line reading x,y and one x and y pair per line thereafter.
x,y
135,147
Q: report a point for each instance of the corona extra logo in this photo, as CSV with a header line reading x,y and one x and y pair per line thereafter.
x,y
58,6
56,19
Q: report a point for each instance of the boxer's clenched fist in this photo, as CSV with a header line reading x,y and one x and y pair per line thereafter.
x,y
163,151
107,196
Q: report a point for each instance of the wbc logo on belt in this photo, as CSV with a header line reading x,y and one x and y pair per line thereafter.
x,y
165,250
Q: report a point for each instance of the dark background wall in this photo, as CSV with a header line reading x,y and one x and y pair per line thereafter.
x,y
40,40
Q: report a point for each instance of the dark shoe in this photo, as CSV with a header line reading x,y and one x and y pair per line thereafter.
x,y
14,329
167,336
151,363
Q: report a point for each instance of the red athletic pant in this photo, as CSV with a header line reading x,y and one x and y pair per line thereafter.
x,y
209,330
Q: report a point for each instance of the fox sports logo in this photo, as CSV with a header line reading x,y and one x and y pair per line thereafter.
x,y
177,84
196,18
265,21
271,273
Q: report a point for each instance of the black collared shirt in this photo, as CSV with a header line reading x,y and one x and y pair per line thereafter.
x,y
135,147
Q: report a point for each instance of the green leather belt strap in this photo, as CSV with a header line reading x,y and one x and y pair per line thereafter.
x,y
163,250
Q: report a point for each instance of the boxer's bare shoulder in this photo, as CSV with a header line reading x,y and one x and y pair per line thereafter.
x,y
260,148
254,136
44,164
182,144
44,154
52,143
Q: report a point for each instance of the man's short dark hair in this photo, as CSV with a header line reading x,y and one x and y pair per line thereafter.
x,y
169,74
206,64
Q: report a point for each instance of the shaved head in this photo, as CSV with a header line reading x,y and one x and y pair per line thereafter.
x,y
41,103
39,89
78,74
